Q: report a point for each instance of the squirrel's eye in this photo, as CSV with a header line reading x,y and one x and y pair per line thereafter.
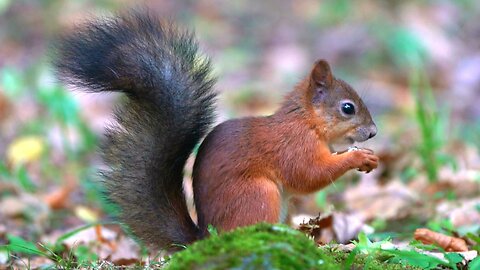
x,y
348,108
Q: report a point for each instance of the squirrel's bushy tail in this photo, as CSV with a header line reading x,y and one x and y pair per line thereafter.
x,y
169,109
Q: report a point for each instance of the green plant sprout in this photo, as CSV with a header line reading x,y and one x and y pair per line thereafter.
x,y
432,120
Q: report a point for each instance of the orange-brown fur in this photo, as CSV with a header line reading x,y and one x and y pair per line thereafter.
x,y
245,165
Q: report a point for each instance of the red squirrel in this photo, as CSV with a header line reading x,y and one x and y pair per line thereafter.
x,y
245,168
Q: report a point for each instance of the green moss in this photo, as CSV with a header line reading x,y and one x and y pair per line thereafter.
x,y
363,261
262,246
266,246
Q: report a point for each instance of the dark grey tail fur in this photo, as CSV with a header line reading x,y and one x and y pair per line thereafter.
x,y
169,109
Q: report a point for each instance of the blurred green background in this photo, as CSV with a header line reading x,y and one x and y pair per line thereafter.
x,y
416,63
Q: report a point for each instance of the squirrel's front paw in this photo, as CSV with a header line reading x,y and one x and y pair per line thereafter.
x,y
364,160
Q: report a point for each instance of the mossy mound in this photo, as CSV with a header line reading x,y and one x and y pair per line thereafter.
x,y
263,246
267,246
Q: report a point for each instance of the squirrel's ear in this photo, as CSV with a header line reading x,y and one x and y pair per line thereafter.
x,y
321,75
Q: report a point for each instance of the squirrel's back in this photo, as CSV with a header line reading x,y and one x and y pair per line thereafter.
x,y
169,109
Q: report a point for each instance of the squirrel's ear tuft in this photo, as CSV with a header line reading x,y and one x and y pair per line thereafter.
x,y
321,74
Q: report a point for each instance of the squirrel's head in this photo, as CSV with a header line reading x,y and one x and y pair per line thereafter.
x,y
343,116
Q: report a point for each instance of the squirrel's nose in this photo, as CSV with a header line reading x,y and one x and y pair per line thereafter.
x,y
373,131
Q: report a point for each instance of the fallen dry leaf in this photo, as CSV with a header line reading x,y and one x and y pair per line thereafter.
x,y
336,226
460,212
371,200
463,183
5,106
319,228
107,243
101,239
448,243
58,198
127,253
344,247
12,207
24,205
36,262
3,230
348,226
88,236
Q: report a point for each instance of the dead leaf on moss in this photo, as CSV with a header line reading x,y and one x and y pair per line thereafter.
x,y
448,243
319,228
336,226
344,247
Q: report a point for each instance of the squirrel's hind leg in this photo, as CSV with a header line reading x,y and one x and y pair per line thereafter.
x,y
253,201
